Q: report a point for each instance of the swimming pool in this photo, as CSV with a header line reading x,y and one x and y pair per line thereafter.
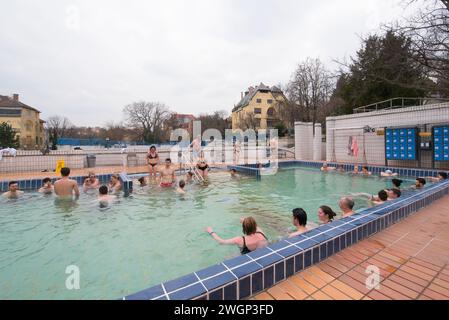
x,y
152,236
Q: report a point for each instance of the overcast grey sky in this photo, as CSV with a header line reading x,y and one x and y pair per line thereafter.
x,y
87,59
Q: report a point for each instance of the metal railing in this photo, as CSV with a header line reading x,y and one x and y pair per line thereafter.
x,y
399,102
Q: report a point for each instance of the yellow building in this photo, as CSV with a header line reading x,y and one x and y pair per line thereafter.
x,y
25,120
259,108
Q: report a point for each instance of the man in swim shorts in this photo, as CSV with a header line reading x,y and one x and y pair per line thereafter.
x,y
66,187
167,174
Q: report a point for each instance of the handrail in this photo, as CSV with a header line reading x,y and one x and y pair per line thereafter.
x,y
390,103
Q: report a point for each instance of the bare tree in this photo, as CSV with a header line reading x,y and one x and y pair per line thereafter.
x,y
149,118
57,127
310,87
248,120
428,30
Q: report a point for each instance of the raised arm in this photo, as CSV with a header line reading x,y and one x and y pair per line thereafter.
x,y
234,240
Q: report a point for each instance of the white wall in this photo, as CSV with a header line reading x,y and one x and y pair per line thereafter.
x,y
338,130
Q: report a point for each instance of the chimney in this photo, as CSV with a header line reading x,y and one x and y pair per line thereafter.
x,y
15,97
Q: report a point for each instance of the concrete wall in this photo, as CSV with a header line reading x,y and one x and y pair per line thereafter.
x,y
371,145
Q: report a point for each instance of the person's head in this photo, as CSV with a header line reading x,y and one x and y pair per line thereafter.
x,y
233,172
65,172
365,169
46,182
249,226
420,182
356,168
103,190
326,214
388,172
182,184
190,174
325,165
152,149
442,175
383,195
141,181
393,193
167,162
299,217
114,178
13,186
396,182
91,176
346,204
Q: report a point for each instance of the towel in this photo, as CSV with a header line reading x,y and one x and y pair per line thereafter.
x,y
355,147
8,151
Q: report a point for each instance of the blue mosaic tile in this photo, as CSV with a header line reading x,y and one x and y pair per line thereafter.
x,y
244,287
299,262
219,280
147,294
306,243
246,269
307,258
316,255
231,263
257,282
279,272
330,248
216,295
210,271
270,259
289,267
268,277
230,291
323,251
259,253
287,252
180,282
187,293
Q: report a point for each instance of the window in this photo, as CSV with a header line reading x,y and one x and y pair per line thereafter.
x,y
270,101
270,112
257,110
259,100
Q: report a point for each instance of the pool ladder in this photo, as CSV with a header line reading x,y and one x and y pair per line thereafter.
x,y
196,175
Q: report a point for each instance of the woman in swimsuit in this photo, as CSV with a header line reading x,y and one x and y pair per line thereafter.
x,y
152,160
203,167
253,237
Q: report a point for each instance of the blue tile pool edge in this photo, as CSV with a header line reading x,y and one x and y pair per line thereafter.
x,y
273,266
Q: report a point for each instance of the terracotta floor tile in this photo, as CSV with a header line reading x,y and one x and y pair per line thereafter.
x,y
439,289
416,273
335,293
293,290
326,277
319,295
393,294
441,283
263,296
406,283
412,278
357,285
303,284
348,290
313,279
422,269
400,288
376,295
330,270
277,293
426,264
434,295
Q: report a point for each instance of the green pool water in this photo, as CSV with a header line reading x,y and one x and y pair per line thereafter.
x,y
152,236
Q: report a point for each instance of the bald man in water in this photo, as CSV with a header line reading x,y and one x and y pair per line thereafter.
x,y
66,187
346,205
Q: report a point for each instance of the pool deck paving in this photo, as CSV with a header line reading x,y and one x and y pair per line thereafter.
x,y
412,256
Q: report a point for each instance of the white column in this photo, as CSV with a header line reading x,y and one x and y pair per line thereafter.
x,y
317,142
303,140
330,125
